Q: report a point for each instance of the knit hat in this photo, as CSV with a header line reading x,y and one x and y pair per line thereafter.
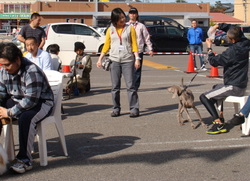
x,y
133,10
79,45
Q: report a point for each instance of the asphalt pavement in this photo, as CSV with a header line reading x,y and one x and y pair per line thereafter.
x,y
152,147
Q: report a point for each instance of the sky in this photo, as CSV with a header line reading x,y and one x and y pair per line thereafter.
x,y
212,2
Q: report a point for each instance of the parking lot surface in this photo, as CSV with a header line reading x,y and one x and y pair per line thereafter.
x,y
152,147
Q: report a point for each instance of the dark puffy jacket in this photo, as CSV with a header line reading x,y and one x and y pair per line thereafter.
x,y
235,61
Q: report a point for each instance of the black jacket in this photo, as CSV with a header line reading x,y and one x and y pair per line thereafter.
x,y
235,61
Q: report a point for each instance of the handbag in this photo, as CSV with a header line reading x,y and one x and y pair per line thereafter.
x,y
106,64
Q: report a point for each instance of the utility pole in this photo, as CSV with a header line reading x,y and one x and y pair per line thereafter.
x,y
245,10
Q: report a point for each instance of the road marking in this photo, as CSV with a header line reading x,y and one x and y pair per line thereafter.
x,y
220,147
155,65
174,143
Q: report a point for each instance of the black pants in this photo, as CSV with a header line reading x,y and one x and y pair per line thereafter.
x,y
217,95
137,73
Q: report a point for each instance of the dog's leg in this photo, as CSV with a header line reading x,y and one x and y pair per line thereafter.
x,y
200,119
189,118
183,119
179,115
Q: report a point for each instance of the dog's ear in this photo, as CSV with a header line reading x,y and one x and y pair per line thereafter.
x,y
175,93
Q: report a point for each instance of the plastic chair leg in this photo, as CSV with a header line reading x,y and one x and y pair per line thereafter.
x,y
42,145
60,131
8,143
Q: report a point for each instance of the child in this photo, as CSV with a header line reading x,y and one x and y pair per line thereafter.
x,y
81,69
56,62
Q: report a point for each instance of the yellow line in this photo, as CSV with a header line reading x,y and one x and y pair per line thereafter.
x,y
155,65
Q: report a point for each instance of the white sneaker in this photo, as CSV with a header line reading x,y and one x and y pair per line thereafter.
x,y
21,167
204,69
195,68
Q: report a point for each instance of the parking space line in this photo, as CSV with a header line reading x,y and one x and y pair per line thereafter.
x,y
221,147
155,65
175,143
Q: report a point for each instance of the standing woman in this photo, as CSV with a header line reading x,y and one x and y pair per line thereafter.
x,y
122,47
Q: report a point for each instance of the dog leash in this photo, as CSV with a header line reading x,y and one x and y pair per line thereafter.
x,y
203,66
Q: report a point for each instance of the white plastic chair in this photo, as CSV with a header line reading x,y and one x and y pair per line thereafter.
x,y
239,102
55,81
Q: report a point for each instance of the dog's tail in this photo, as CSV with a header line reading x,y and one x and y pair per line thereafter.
x,y
182,80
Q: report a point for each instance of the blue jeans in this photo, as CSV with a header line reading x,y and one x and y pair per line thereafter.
x,y
197,49
246,108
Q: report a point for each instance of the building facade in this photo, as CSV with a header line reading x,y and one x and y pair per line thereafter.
x,y
241,10
92,12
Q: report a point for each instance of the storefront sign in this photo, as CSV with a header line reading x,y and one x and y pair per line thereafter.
x,y
14,16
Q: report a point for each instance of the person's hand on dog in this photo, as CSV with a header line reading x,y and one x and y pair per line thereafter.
x,y
3,113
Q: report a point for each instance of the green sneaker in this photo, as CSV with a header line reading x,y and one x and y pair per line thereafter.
x,y
217,128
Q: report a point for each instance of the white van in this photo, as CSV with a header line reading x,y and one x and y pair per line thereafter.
x,y
66,34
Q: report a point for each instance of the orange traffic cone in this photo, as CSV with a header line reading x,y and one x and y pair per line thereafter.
x,y
66,69
214,73
190,69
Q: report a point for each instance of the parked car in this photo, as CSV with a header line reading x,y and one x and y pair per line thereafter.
x,y
204,31
19,44
101,30
3,32
66,34
221,39
168,38
158,20
246,31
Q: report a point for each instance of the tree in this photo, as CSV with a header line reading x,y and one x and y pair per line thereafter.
x,y
180,1
218,7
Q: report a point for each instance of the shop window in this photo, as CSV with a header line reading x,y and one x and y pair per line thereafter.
x,y
17,8
11,8
82,21
6,8
200,23
25,8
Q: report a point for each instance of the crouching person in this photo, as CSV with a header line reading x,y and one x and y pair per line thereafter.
x,y
25,96
81,69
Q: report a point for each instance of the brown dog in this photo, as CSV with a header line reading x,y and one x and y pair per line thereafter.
x,y
186,100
